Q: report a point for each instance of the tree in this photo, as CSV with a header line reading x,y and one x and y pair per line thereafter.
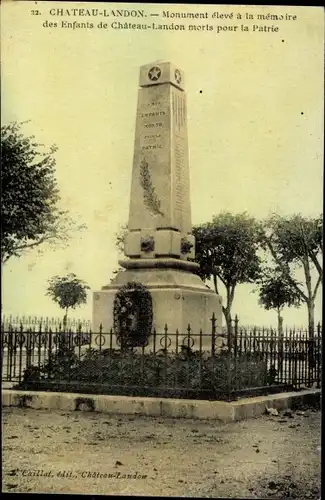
x,y
315,250
29,195
227,250
295,243
276,292
68,292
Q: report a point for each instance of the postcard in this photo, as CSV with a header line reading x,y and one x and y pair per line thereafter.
x,y
162,195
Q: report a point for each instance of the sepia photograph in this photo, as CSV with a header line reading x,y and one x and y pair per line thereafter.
x,y
162,249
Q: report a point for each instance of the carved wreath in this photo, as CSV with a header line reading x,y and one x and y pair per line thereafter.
x,y
133,315
150,197
186,246
147,244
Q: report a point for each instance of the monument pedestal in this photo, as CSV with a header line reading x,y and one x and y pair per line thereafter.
x,y
159,242
179,298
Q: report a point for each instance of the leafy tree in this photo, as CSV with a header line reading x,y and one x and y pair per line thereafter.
x,y
227,251
315,250
295,243
276,292
68,292
29,195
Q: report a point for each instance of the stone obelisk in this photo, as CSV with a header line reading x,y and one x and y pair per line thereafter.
x,y
159,245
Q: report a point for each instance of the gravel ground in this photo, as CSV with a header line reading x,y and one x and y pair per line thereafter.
x,y
273,457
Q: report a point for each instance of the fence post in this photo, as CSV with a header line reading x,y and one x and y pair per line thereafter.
x,y
2,347
311,359
165,355
10,353
50,354
235,335
235,360
229,336
29,347
318,360
213,335
296,381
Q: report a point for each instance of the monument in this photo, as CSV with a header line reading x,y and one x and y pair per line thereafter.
x,y
159,245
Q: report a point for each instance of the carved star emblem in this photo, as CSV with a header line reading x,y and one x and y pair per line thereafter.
x,y
154,73
178,76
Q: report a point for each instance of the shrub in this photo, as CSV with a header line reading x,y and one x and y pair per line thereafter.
x,y
31,374
180,374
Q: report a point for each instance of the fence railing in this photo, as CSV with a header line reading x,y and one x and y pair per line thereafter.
x,y
43,322
179,364
55,322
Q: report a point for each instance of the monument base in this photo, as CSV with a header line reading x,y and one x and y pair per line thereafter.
x,y
179,299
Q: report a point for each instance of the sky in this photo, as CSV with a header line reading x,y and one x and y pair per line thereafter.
x,y
255,126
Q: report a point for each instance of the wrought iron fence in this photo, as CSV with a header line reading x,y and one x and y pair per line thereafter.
x,y
293,355
44,322
178,364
